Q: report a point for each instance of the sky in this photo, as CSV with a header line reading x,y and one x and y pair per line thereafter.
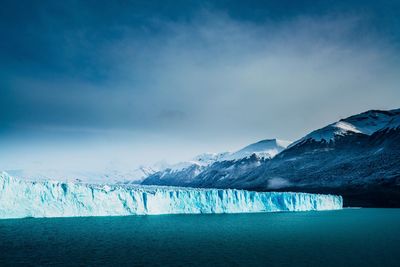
x,y
91,84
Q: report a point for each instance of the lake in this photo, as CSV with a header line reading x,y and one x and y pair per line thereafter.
x,y
350,237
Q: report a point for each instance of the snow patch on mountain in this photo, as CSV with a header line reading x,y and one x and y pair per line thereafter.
x,y
331,131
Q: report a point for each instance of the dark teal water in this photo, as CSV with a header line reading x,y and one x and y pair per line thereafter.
x,y
354,237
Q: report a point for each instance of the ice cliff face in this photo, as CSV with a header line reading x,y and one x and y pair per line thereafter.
x,y
19,198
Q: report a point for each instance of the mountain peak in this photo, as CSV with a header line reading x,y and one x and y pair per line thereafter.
x,y
365,123
266,148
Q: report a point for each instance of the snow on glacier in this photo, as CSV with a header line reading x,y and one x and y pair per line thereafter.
x,y
21,198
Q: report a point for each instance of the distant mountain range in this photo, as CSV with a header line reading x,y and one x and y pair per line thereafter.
x,y
263,149
186,173
357,157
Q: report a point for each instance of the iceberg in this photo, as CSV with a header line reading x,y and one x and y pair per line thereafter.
x,y
21,198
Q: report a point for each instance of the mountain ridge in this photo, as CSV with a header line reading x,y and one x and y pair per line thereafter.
x,y
362,164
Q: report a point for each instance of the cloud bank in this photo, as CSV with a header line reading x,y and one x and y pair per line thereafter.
x,y
209,83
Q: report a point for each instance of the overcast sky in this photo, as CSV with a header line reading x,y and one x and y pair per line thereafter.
x,y
87,84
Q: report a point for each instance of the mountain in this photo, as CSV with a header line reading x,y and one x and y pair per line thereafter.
x,y
185,173
357,157
188,169
264,149
365,123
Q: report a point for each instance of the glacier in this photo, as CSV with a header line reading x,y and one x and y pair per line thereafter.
x,y
20,198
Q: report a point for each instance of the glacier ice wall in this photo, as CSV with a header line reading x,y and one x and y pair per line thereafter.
x,y
20,198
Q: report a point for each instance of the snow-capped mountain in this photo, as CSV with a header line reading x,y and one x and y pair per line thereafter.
x,y
358,157
264,149
185,173
365,123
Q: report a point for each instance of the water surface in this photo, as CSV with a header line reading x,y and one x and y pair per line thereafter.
x,y
352,237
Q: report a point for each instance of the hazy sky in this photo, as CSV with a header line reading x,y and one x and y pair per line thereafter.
x,y
96,83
